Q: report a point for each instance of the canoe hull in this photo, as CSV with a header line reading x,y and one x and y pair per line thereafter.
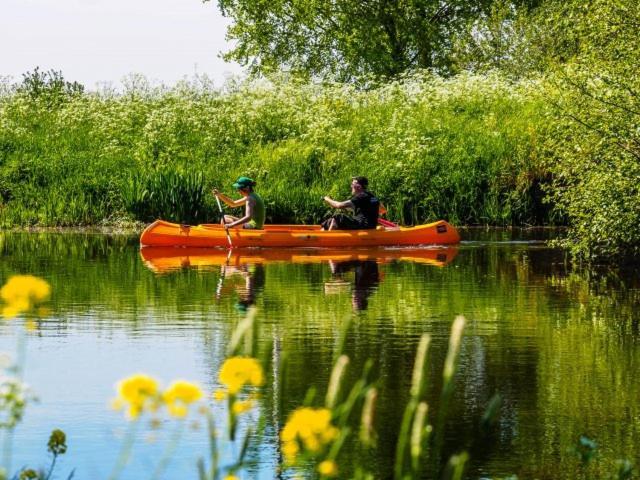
x,y
165,234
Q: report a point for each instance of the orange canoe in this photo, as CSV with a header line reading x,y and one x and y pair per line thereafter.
x,y
167,259
165,234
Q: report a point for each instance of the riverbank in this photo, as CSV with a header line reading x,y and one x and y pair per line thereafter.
x,y
123,228
472,149
463,149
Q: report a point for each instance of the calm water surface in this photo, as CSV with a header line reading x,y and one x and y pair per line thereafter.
x,y
560,346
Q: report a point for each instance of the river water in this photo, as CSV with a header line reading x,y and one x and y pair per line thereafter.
x,y
559,345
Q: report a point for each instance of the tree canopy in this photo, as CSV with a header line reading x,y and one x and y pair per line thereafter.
x,y
346,39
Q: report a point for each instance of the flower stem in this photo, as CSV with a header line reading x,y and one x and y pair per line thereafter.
x,y
169,450
125,451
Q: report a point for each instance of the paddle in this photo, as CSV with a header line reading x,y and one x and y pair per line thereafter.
x,y
226,229
385,223
223,271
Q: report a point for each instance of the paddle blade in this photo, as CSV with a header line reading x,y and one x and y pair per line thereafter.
x,y
387,223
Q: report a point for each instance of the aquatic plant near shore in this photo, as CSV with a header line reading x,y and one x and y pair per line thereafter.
x,y
138,392
174,195
313,436
236,372
56,446
308,429
179,396
22,294
319,427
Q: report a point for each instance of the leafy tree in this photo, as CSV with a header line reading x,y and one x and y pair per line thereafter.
x,y
596,144
346,39
497,40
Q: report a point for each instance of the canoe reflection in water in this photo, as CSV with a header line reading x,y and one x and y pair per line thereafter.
x,y
247,280
243,270
365,281
163,260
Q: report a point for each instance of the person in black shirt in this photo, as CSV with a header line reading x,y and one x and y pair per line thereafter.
x,y
365,208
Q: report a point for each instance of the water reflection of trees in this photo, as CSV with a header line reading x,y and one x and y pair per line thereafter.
x,y
559,344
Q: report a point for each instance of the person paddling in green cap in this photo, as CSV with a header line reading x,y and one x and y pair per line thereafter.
x,y
254,212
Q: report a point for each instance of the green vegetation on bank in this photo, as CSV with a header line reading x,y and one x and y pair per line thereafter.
x,y
544,130
465,149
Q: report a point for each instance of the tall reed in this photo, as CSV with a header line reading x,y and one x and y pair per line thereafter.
x,y
170,194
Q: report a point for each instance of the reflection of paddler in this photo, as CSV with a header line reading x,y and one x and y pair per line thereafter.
x,y
247,280
366,280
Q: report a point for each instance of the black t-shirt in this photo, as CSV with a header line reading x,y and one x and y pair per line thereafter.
x,y
366,209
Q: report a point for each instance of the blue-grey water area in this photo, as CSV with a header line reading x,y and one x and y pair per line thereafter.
x,y
558,343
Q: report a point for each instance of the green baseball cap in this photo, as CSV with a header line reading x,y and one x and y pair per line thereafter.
x,y
244,182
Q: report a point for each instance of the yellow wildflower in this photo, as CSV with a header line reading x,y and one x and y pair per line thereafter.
x,y
31,326
22,293
239,406
310,427
139,392
236,372
177,410
16,308
179,396
328,468
231,477
290,450
219,395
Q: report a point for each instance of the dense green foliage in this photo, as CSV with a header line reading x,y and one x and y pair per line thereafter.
x,y
545,131
465,149
596,140
586,51
348,39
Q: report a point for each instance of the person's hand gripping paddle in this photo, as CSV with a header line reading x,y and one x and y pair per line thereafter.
x,y
226,229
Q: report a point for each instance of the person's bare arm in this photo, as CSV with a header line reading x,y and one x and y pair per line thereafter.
x,y
336,204
229,201
250,203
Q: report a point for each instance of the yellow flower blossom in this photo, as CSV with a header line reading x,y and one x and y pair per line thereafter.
x,y
231,477
328,468
22,293
16,308
139,392
236,372
290,450
177,410
219,395
179,396
240,406
309,427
